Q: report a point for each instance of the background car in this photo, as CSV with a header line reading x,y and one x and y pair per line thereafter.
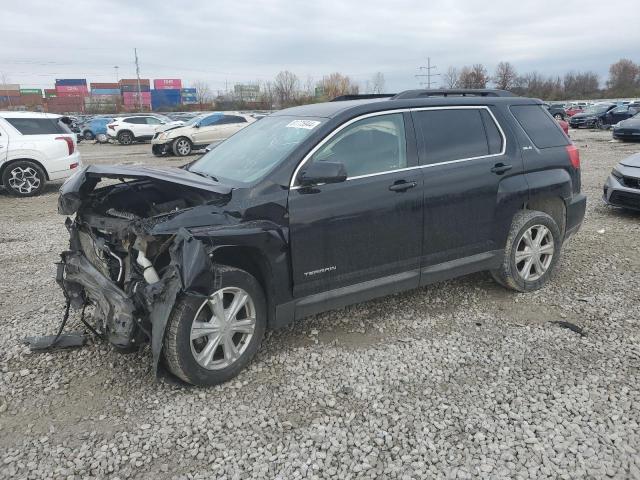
x,y
628,129
137,128
35,148
621,112
594,116
198,133
622,188
572,110
556,110
95,127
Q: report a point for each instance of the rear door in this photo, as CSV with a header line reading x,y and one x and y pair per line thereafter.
x,y
208,130
466,159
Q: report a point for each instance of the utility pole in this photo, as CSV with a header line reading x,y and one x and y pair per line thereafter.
x,y
428,73
117,75
135,52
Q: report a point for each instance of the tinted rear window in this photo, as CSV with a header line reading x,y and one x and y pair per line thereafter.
x,y
543,130
36,126
454,134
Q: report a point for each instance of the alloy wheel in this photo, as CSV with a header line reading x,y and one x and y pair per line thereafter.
x,y
24,180
183,147
534,253
222,328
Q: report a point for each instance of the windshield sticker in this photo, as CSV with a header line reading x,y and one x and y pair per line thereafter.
x,y
307,124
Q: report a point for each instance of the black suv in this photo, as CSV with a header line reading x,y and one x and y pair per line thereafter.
x,y
313,208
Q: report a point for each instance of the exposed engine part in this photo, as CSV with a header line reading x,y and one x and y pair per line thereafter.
x,y
120,214
149,272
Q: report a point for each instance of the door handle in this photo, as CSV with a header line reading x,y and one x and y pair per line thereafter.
x,y
500,168
402,186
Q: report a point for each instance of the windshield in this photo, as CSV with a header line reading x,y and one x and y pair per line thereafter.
x,y
596,109
196,119
255,150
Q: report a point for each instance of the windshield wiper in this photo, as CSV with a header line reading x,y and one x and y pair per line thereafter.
x,y
206,175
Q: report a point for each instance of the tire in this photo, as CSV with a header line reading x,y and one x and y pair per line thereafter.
x,y
558,116
217,362
24,178
88,135
125,137
102,138
512,273
182,146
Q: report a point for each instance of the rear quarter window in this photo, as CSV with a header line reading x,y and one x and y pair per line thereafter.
x,y
36,126
542,129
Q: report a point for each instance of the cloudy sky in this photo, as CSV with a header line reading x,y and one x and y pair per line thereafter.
x,y
248,40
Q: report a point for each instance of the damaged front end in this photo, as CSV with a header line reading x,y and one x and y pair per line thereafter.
x,y
128,255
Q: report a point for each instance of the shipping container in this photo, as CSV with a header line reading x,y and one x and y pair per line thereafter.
x,y
50,92
105,91
134,88
131,98
66,82
78,89
30,91
167,83
10,86
168,98
9,93
104,85
107,96
134,81
188,90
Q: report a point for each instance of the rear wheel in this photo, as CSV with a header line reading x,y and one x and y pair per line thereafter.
x,y
531,253
209,341
125,138
24,178
558,116
182,146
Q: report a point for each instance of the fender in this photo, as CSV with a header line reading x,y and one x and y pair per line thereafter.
x,y
550,183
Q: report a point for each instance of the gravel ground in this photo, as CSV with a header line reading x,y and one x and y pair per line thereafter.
x,y
462,379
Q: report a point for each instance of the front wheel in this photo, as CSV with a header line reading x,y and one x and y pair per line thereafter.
x,y
24,178
209,341
88,135
558,116
182,147
531,253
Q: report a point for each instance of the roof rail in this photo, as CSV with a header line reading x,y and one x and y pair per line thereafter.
x,y
363,96
456,92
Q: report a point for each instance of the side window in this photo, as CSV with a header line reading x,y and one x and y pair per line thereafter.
x,y
153,121
372,145
36,126
451,134
212,120
493,134
542,129
233,119
135,120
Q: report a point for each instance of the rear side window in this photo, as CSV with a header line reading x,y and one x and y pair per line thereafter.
x,y
494,138
36,126
543,130
135,120
454,134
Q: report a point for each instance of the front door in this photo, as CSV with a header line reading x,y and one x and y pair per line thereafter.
x,y
368,226
465,158
4,145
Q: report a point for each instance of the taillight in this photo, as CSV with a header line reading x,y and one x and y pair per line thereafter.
x,y
574,156
70,144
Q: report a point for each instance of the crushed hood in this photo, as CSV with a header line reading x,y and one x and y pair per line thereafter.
x,y
83,182
630,123
632,161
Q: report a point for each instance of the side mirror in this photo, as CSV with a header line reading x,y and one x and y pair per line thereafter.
x,y
323,172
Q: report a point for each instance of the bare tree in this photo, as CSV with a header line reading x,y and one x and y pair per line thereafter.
x,y
505,76
450,78
286,86
377,83
336,84
473,77
624,79
203,93
581,85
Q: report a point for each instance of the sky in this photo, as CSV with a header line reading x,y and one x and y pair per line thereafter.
x,y
222,43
